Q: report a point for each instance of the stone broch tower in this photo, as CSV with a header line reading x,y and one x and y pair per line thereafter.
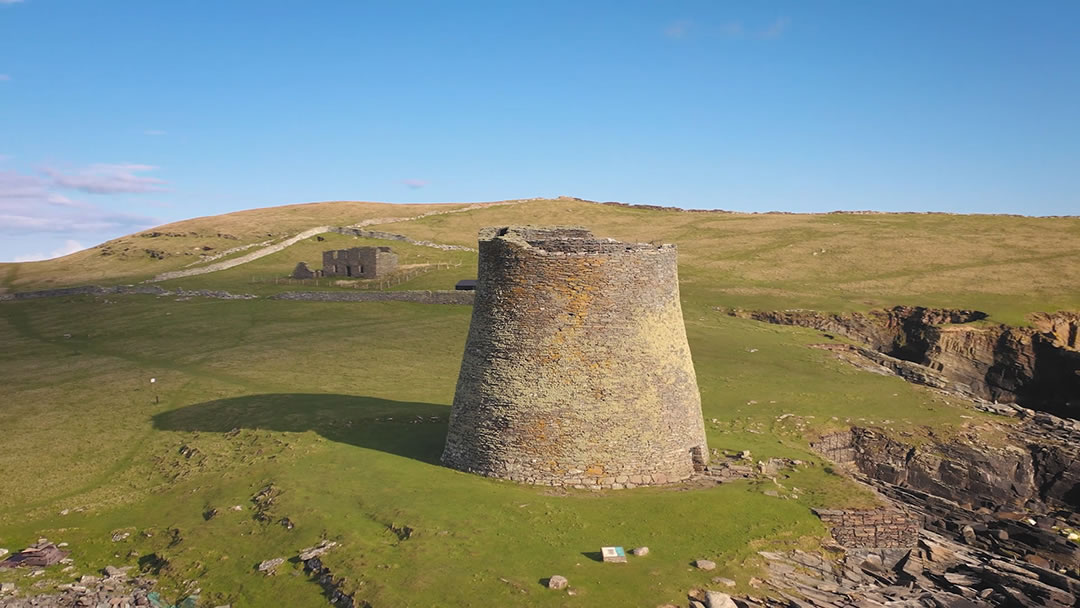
x,y
576,371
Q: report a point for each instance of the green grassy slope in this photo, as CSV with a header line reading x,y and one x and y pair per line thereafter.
x,y
267,275
342,407
179,244
1006,265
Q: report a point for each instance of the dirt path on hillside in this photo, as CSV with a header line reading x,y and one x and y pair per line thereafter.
x,y
310,232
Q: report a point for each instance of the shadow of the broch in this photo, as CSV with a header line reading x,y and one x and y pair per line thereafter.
x,y
408,429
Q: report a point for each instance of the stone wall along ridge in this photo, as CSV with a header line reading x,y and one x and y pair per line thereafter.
x,y
462,298
576,370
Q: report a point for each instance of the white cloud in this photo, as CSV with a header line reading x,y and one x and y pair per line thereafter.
x,y
29,204
105,178
10,1
69,247
4,77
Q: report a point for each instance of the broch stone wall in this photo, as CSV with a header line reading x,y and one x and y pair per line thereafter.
x,y
576,370
871,528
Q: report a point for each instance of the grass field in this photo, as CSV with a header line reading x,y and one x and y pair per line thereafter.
x,y
342,408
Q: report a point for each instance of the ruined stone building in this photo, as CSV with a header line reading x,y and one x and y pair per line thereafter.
x,y
301,271
359,262
576,370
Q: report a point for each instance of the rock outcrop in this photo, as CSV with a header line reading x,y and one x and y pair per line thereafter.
x,y
1038,367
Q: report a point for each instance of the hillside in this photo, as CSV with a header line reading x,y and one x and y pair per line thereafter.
x,y
1007,265
189,243
325,420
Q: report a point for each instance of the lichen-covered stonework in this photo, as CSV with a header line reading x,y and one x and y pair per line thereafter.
x,y
576,370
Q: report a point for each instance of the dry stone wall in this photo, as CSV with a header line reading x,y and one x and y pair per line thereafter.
x,y
871,528
462,298
392,236
576,370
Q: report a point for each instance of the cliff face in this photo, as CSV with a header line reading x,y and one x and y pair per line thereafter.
x,y
1039,470
1017,500
1038,367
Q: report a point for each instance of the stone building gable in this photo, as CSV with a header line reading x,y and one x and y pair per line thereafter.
x,y
359,262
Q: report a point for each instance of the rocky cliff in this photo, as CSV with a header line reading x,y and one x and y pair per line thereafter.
x,y
1038,366
1037,470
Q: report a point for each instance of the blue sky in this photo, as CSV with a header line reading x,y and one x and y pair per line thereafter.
x,y
118,115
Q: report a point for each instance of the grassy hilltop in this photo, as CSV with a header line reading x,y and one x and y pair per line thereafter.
x,y
342,408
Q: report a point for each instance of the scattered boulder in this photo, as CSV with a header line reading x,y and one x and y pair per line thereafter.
x,y
704,564
557,582
270,566
715,599
969,534
317,550
872,562
640,551
7,587
41,554
727,582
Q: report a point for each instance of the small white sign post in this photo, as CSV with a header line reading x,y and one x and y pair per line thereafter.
x,y
613,554
153,386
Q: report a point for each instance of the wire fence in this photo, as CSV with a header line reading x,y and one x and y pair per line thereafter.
x,y
394,279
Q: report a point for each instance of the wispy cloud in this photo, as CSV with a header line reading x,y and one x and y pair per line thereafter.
x,y
4,77
776,29
107,179
69,247
678,29
29,203
154,132
730,30
10,1
415,184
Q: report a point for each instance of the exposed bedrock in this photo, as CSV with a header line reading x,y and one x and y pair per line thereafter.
x,y
1020,500
1037,367
1038,472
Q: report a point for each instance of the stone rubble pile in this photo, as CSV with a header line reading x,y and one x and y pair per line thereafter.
x,y
939,573
114,590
